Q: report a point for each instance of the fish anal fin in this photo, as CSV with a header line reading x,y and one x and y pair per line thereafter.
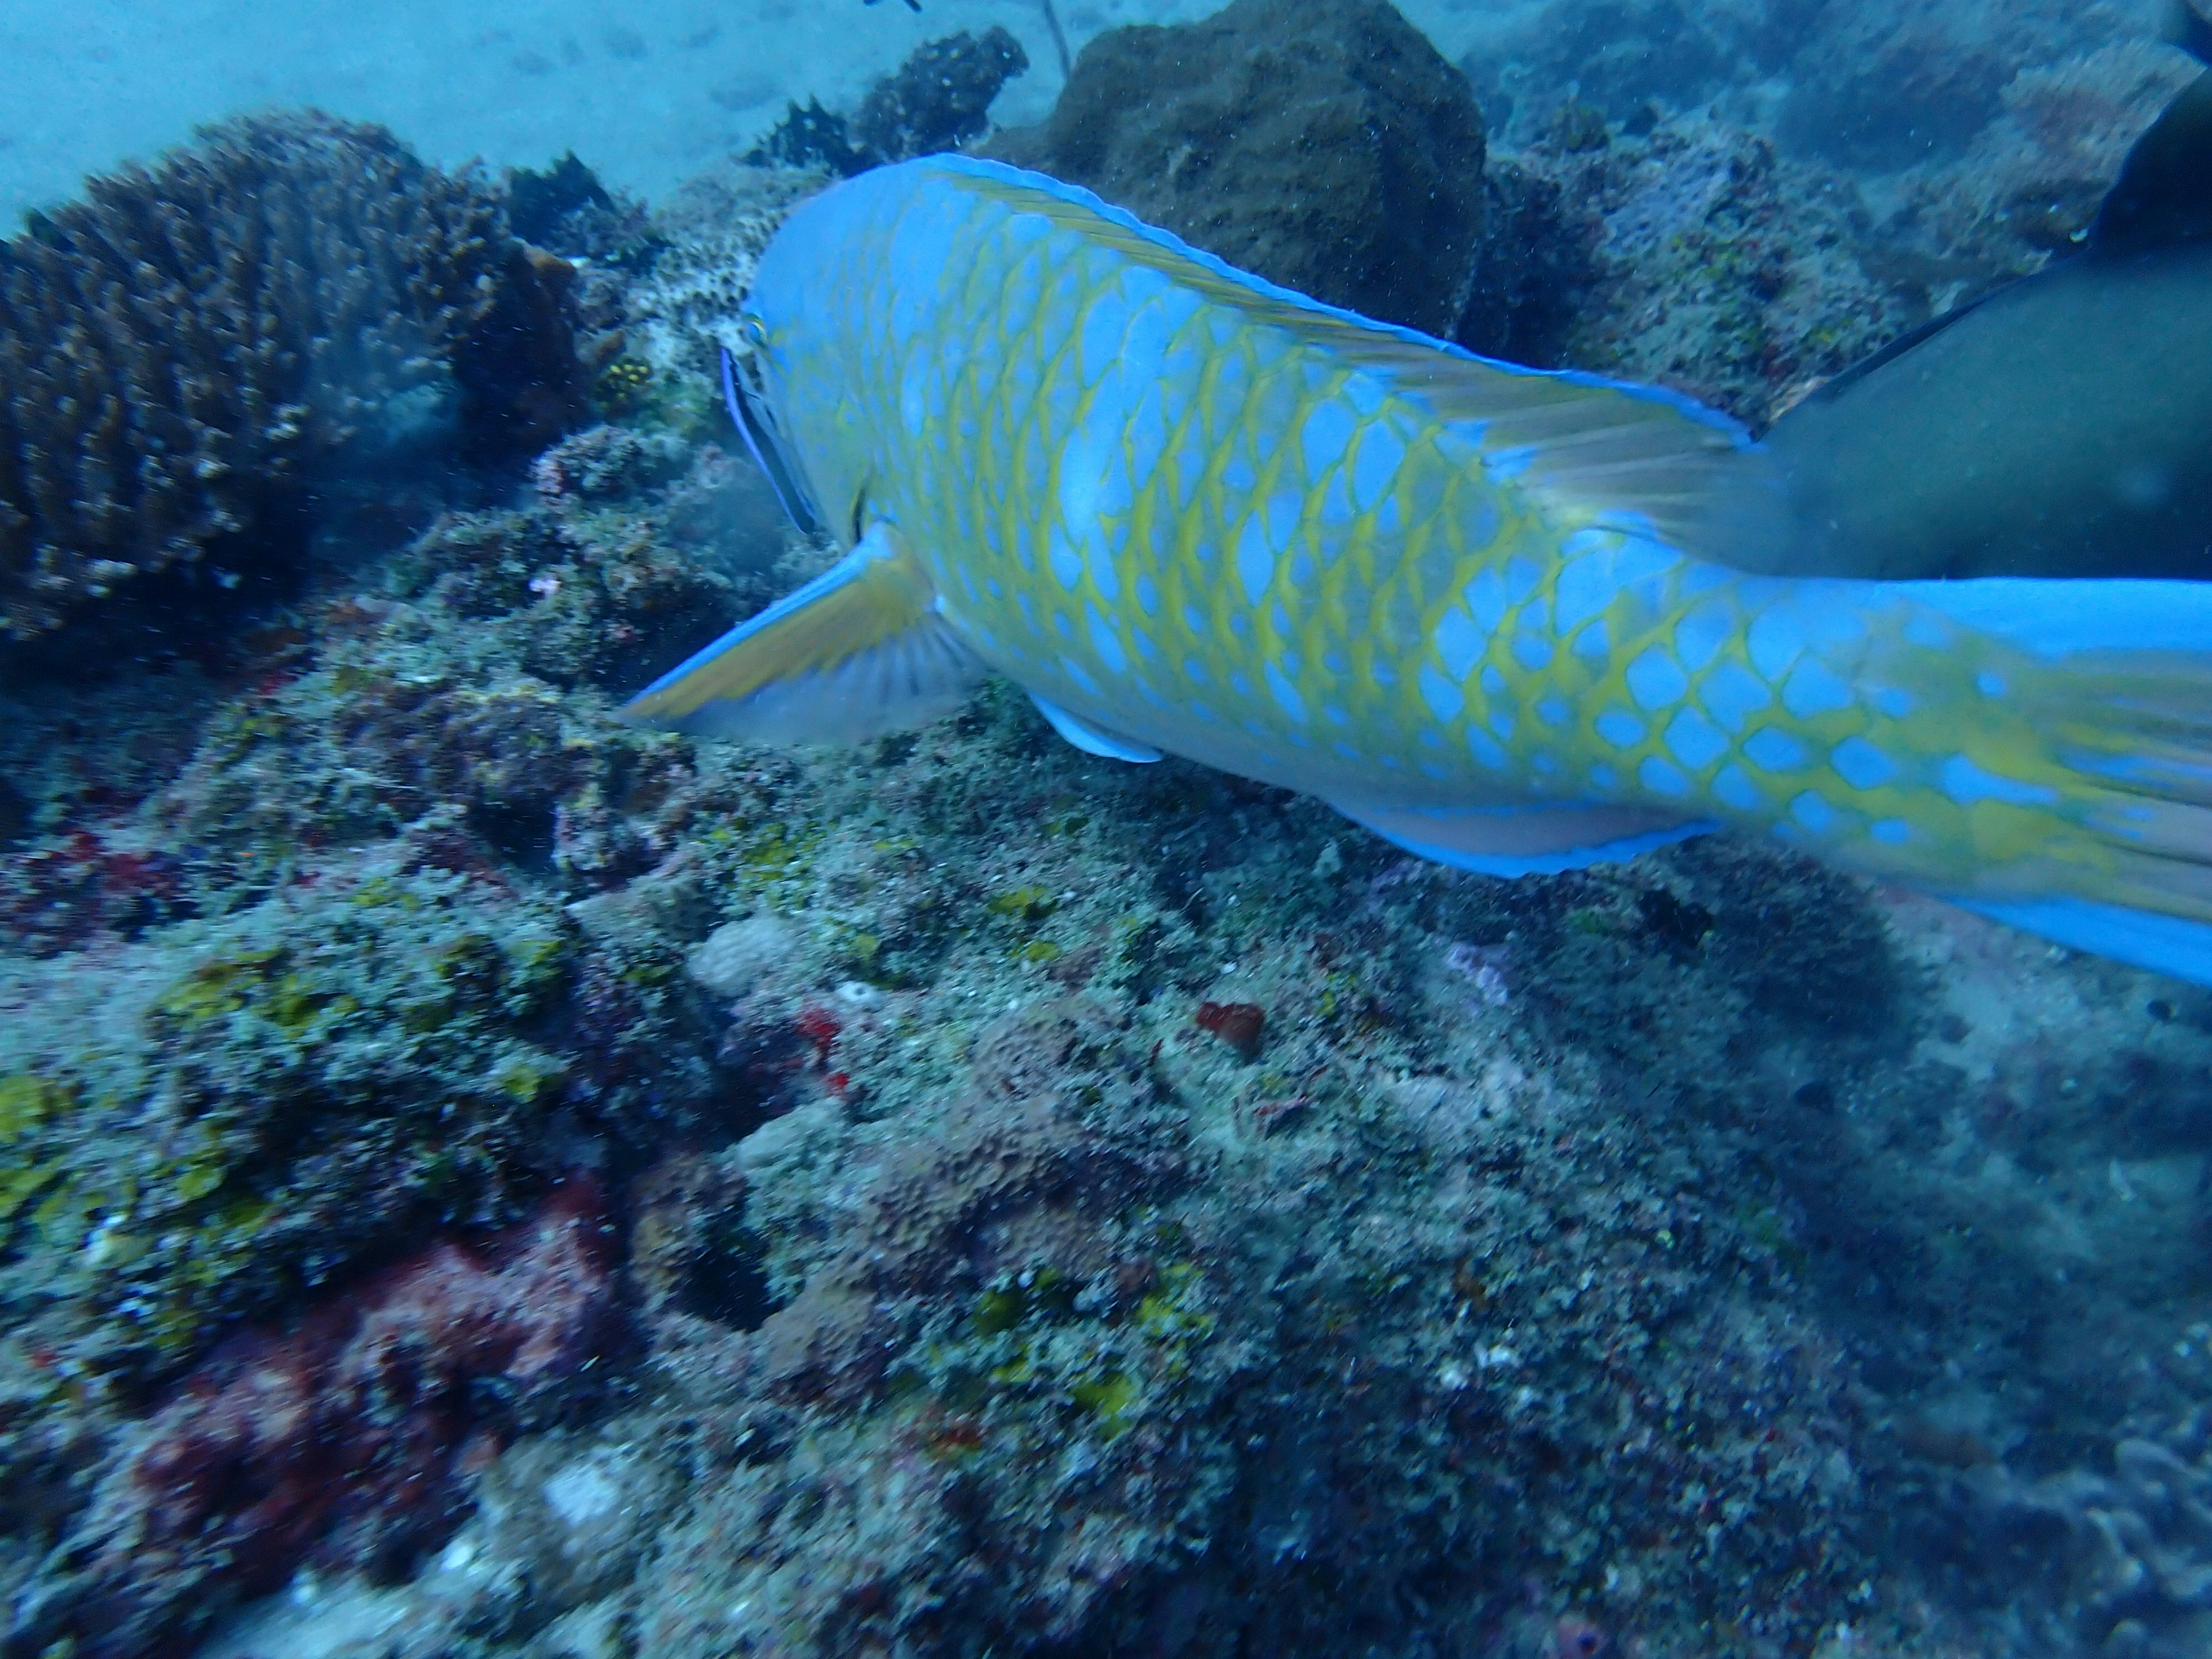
x,y
1093,739
2173,945
861,650
1523,841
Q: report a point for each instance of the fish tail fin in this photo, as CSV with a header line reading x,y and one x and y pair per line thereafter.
x,y
2114,677
861,650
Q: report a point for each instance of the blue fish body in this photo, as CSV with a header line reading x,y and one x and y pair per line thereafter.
x,y
1191,513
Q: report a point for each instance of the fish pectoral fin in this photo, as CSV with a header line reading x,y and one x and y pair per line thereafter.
x,y
1534,840
1093,739
861,650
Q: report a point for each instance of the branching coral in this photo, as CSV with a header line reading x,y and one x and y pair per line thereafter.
x,y
180,348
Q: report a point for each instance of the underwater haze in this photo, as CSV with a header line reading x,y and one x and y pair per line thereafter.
x,y
1082,828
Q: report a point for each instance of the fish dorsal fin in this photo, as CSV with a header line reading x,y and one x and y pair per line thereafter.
x,y
860,650
1632,457
1523,841
2164,193
1637,458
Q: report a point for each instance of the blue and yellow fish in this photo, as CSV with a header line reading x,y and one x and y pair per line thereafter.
x,y
1464,603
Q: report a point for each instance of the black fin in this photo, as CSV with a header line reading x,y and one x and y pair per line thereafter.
x,y
2185,28
2164,195
1836,385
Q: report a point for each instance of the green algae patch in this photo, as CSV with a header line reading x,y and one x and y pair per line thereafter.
x,y
218,986
1112,1397
1167,1313
527,1076
27,1101
312,1083
1039,1293
22,1186
1028,904
770,863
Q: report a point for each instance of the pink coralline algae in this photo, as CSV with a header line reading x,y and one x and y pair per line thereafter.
x,y
1485,964
338,1443
1009,1175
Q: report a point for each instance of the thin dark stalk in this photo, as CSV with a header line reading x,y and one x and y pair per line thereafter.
x,y
1059,39
1051,22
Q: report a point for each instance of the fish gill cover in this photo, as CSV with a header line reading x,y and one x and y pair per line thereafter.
x,y
480,1179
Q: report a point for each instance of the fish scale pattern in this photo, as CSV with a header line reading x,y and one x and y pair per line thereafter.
x,y
1178,503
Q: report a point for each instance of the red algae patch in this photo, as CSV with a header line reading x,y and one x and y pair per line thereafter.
x,y
344,1442
1239,1024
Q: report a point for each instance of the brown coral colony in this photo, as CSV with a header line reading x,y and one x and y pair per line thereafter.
x,y
182,348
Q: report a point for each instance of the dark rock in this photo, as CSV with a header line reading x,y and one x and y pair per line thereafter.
x,y
1535,268
1326,148
940,97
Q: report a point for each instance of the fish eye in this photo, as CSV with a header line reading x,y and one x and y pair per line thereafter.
x,y
754,330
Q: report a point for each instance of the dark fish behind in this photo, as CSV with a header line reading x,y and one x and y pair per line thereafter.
x,y
2060,427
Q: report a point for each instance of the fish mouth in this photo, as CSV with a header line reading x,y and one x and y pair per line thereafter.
x,y
746,393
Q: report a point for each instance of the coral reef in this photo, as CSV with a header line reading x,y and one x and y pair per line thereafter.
x,y
2130,1550
1716,265
1327,149
373,993
957,1195
182,348
688,305
339,1442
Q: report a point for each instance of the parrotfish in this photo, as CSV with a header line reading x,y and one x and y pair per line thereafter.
x,y
1462,602
2060,426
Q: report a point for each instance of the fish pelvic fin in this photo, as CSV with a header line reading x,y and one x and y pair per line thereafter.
x,y
2115,678
1092,739
861,650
